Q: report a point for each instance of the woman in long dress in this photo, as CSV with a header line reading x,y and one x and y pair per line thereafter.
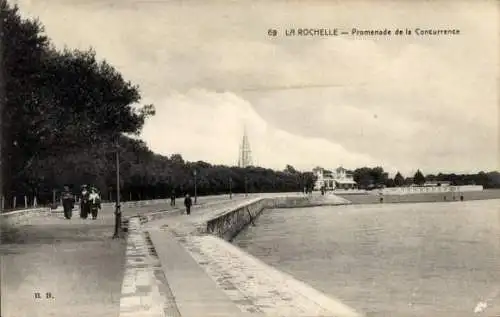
x,y
84,203
95,202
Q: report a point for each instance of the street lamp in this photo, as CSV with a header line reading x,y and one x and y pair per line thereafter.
x,y
2,107
118,212
246,186
195,188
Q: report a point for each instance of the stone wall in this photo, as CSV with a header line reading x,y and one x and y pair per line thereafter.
x,y
138,203
423,197
421,190
18,217
230,222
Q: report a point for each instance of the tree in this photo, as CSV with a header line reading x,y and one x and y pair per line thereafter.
x,y
290,169
399,179
177,159
390,183
378,175
367,177
419,178
309,179
68,99
363,177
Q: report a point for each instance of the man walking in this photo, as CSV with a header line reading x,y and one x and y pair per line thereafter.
x,y
68,201
172,198
188,202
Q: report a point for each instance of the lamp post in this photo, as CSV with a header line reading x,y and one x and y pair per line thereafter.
x,y
2,106
230,188
246,186
195,188
53,198
118,212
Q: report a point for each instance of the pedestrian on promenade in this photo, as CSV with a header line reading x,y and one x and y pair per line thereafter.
x,y
188,202
84,203
95,202
68,201
172,198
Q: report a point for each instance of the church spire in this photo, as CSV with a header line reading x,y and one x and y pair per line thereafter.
x,y
245,157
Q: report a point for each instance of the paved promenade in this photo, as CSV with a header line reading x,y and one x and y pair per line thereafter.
x,y
72,265
75,261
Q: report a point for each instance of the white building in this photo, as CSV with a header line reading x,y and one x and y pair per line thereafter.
x,y
338,179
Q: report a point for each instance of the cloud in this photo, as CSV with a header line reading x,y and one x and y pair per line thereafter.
x,y
205,125
408,102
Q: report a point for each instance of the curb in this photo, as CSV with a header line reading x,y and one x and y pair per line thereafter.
x,y
145,291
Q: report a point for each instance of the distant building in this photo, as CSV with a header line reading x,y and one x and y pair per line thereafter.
x,y
339,179
245,153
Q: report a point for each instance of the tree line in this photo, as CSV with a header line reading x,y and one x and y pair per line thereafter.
x,y
376,177
66,114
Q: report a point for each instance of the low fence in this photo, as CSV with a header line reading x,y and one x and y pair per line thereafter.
x,y
421,190
28,203
19,216
24,202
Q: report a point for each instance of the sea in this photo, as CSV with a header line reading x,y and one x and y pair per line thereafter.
x,y
419,259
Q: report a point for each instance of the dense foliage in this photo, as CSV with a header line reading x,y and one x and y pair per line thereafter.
x,y
146,175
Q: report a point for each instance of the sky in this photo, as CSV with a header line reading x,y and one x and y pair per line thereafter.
x,y
210,68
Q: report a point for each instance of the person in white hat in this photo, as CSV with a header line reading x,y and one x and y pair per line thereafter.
x,y
95,202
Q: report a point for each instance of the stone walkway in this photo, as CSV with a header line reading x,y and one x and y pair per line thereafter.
x,y
140,289
209,276
145,290
256,287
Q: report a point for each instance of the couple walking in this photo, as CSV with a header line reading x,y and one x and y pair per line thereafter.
x,y
90,202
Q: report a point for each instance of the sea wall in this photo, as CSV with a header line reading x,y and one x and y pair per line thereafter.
x,y
421,190
229,222
423,197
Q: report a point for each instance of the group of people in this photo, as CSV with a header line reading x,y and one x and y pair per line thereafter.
x,y
90,202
